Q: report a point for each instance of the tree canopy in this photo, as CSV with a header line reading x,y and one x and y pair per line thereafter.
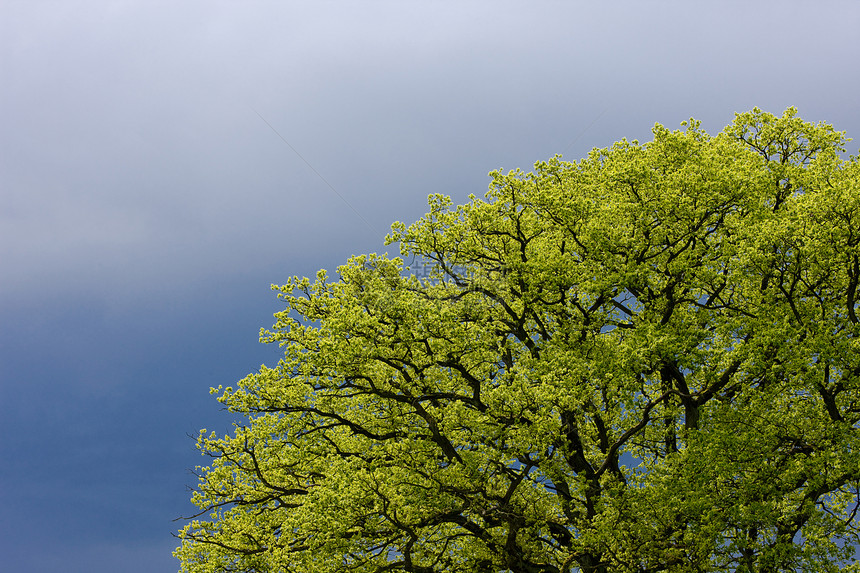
x,y
645,360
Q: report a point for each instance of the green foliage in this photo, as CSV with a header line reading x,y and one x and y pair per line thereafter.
x,y
646,360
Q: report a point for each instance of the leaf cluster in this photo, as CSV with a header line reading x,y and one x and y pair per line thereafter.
x,y
646,360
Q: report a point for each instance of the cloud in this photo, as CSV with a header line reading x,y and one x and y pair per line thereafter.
x,y
132,153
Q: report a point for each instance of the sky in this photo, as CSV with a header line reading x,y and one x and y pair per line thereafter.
x,y
163,163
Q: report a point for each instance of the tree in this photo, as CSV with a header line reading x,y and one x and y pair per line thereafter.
x,y
646,360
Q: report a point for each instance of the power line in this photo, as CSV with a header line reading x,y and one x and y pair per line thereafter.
x,y
342,198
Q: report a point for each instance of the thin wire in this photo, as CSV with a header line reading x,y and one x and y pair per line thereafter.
x,y
342,198
581,133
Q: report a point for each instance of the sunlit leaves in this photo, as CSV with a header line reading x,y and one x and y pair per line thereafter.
x,y
645,360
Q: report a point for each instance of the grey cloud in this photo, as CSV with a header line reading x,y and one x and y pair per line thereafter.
x,y
131,147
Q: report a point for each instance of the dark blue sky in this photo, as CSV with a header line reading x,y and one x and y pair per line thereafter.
x,y
145,208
